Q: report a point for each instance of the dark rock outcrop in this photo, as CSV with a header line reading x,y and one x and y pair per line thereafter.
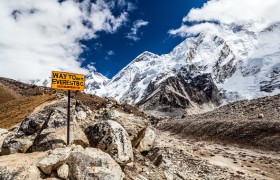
x,y
180,92
112,138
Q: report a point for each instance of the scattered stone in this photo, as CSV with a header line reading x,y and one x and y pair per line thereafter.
x,y
155,155
140,177
145,139
260,115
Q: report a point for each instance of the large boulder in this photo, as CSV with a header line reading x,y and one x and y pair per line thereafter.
x,y
131,123
111,137
46,129
53,133
22,139
145,140
13,144
93,164
75,162
20,166
63,171
54,159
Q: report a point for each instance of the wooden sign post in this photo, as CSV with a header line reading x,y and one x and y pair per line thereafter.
x,y
68,81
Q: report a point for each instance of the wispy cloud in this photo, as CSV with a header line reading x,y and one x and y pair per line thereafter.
x,y
134,34
110,53
257,14
38,36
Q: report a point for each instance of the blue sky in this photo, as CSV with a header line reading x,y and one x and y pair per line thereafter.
x,y
111,52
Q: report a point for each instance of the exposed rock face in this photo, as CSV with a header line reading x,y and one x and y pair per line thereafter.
x,y
78,163
145,139
20,166
22,140
112,138
132,124
12,144
93,164
225,66
47,129
176,92
3,135
54,159
53,133
273,83
63,171
155,156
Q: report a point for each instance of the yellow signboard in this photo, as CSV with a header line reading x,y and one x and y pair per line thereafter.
x,y
68,81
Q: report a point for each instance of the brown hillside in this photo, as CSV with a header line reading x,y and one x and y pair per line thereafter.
x,y
14,111
17,100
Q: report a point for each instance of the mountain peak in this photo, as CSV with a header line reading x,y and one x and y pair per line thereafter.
x,y
235,56
146,55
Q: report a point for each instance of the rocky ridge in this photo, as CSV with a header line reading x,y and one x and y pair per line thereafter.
x,y
45,131
236,64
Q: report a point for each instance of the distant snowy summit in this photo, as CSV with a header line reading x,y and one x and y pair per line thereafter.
x,y
202,72
95,80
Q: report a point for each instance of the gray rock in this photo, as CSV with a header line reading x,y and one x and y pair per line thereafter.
x,y
55,159
155,155
111,137
145,139
20,166
12,145
21,140
75,162
93,164
3,135
53,133
140,177
63,171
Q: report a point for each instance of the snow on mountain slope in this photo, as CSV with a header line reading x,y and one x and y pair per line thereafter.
x,y
242,63
258,75
95,80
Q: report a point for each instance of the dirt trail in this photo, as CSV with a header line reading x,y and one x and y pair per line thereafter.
x,y
220,161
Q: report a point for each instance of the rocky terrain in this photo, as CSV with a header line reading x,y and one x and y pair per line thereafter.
x,y
254,123
115,141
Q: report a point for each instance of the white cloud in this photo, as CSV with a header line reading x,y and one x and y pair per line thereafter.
x,y
133,35
185,30
91,67
131,7
38,36
258,14
110,53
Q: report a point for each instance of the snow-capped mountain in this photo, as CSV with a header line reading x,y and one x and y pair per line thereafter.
x,y
203,71
95,80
